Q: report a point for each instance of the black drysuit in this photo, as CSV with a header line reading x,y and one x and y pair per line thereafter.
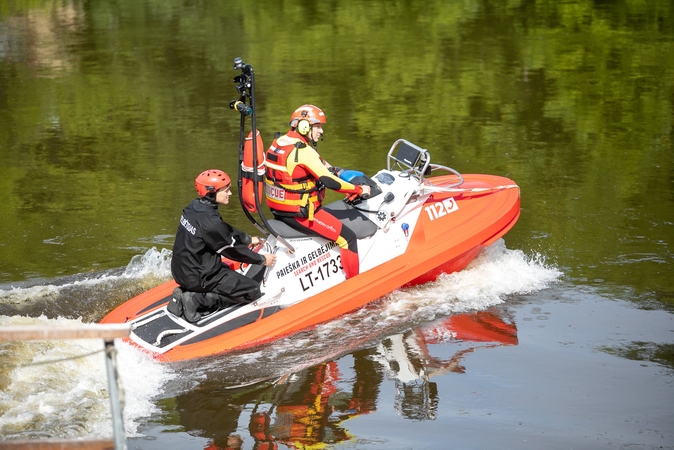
x,y
202,238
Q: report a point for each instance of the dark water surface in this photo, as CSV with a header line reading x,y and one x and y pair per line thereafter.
x,y
561,337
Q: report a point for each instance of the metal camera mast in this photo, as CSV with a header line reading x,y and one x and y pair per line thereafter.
x,y
245,104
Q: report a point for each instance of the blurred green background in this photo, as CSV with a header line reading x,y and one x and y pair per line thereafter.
x,y
109,109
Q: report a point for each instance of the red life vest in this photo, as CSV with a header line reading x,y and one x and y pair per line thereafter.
x,y
290,187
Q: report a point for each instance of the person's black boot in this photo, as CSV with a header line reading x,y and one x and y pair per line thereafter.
x,y
190,313
175,304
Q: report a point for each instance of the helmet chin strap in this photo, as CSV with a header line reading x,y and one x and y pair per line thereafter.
x,y
209,199
314,144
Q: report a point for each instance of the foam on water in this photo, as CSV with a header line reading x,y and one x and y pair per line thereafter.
x,y
59,388
68,398
89,296
495,274
154,263
487,281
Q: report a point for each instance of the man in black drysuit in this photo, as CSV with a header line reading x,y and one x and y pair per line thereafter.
x,y
202,239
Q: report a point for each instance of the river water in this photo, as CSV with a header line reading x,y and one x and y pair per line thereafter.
x,y
559,336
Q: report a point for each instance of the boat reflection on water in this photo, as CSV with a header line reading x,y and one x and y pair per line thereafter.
x,y
407,360
299,410
309,407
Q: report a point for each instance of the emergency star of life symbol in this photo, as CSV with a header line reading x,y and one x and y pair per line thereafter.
x,y
381,216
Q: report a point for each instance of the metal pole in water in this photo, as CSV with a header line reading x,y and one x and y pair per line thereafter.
x,y
116,395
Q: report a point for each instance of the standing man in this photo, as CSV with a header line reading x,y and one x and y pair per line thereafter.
x,y
296,180
202,239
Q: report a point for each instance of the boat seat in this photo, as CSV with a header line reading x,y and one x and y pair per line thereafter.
x,y
352,218
284,230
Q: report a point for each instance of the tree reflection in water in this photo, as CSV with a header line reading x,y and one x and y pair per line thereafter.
x,y
308,407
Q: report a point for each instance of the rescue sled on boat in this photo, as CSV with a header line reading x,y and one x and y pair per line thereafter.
x,y
412,228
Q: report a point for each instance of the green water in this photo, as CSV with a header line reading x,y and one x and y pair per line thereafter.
x,y
108,110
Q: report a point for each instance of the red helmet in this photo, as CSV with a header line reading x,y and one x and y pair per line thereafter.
x,y
211,181
309,113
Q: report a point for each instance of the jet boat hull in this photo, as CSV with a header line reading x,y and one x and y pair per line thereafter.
x,y
451,229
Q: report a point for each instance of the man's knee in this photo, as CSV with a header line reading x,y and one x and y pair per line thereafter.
x,y
349,236
238,289
343,243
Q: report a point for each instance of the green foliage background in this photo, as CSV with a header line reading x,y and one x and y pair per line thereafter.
x,y
109,109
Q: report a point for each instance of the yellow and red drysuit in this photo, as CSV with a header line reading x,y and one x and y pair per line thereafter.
x,y
296,179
